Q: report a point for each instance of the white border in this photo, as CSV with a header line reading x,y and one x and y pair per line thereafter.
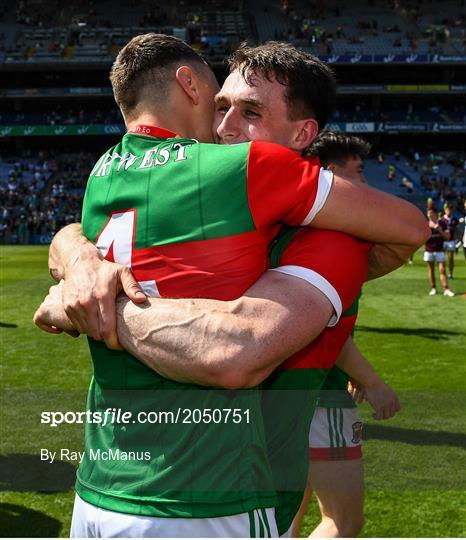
x,y
320,283
323,189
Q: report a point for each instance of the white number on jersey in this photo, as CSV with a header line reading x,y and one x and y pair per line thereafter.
x,y
116,241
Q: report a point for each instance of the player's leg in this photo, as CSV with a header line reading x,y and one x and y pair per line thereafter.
x,y
90,521
339,487
442,272
429,259
296,526
336,471
451,262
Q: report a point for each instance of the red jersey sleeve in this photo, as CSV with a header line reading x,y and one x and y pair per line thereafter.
x,y
283,187
334,262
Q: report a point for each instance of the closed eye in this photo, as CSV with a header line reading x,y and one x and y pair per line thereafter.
x,y
251,114
221,109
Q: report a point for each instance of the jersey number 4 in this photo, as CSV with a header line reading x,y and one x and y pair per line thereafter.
x,y
116,243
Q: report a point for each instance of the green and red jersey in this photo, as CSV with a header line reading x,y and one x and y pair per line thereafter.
x,y
192,220
200,216
334,393
290,394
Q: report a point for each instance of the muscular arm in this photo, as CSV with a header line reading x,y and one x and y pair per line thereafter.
x,y
94,283
67,246
234,344
372,215
384,258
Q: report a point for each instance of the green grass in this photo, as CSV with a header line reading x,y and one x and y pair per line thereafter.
x,y
415,463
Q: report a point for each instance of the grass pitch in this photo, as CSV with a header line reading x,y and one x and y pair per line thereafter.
x,y
415,463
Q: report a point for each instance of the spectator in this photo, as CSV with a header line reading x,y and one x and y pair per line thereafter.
x,y
391,172
43,199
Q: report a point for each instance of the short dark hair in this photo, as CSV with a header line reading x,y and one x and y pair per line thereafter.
x,y
334,147
143,61
310,84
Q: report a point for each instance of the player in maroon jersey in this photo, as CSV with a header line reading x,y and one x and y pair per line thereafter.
x,y
434,252
450,245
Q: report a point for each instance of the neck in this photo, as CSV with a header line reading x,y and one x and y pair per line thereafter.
x,y
164,121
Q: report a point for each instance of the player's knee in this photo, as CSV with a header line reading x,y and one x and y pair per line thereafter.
x,y
351,525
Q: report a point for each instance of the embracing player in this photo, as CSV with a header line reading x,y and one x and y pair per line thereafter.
x,y
202,266
335,437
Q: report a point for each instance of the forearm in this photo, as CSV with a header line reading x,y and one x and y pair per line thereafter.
x,y
372,215
233,344
384,258
353,363
67,246
379,394
183,339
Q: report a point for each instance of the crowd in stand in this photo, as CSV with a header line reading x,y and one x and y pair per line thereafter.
x,y
359,111
392,111
307,29
41,194
442,188
312,29
61,115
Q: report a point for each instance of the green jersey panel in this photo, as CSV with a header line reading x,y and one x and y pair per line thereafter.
x,y
158,181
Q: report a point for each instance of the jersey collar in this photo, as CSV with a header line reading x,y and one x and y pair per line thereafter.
x,y
154,131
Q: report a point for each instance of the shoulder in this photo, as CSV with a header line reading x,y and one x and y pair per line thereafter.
x,y
277,153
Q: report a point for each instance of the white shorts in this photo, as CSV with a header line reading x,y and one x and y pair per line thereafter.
x,y
434,256
335,434
449,245
90,521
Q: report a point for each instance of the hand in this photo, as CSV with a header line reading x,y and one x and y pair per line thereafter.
x,y
380,395
51,317
90,289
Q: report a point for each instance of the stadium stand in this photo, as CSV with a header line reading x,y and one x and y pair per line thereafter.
x,y
96,34
55,57
360,110
368,27
91,33
40,193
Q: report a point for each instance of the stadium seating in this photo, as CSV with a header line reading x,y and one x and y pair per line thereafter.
x,y
360,27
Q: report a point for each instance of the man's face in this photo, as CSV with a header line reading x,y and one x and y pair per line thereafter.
x,y
253,113
353,169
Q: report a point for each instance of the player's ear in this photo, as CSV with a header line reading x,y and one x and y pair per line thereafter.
x,y
307,132
188,82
